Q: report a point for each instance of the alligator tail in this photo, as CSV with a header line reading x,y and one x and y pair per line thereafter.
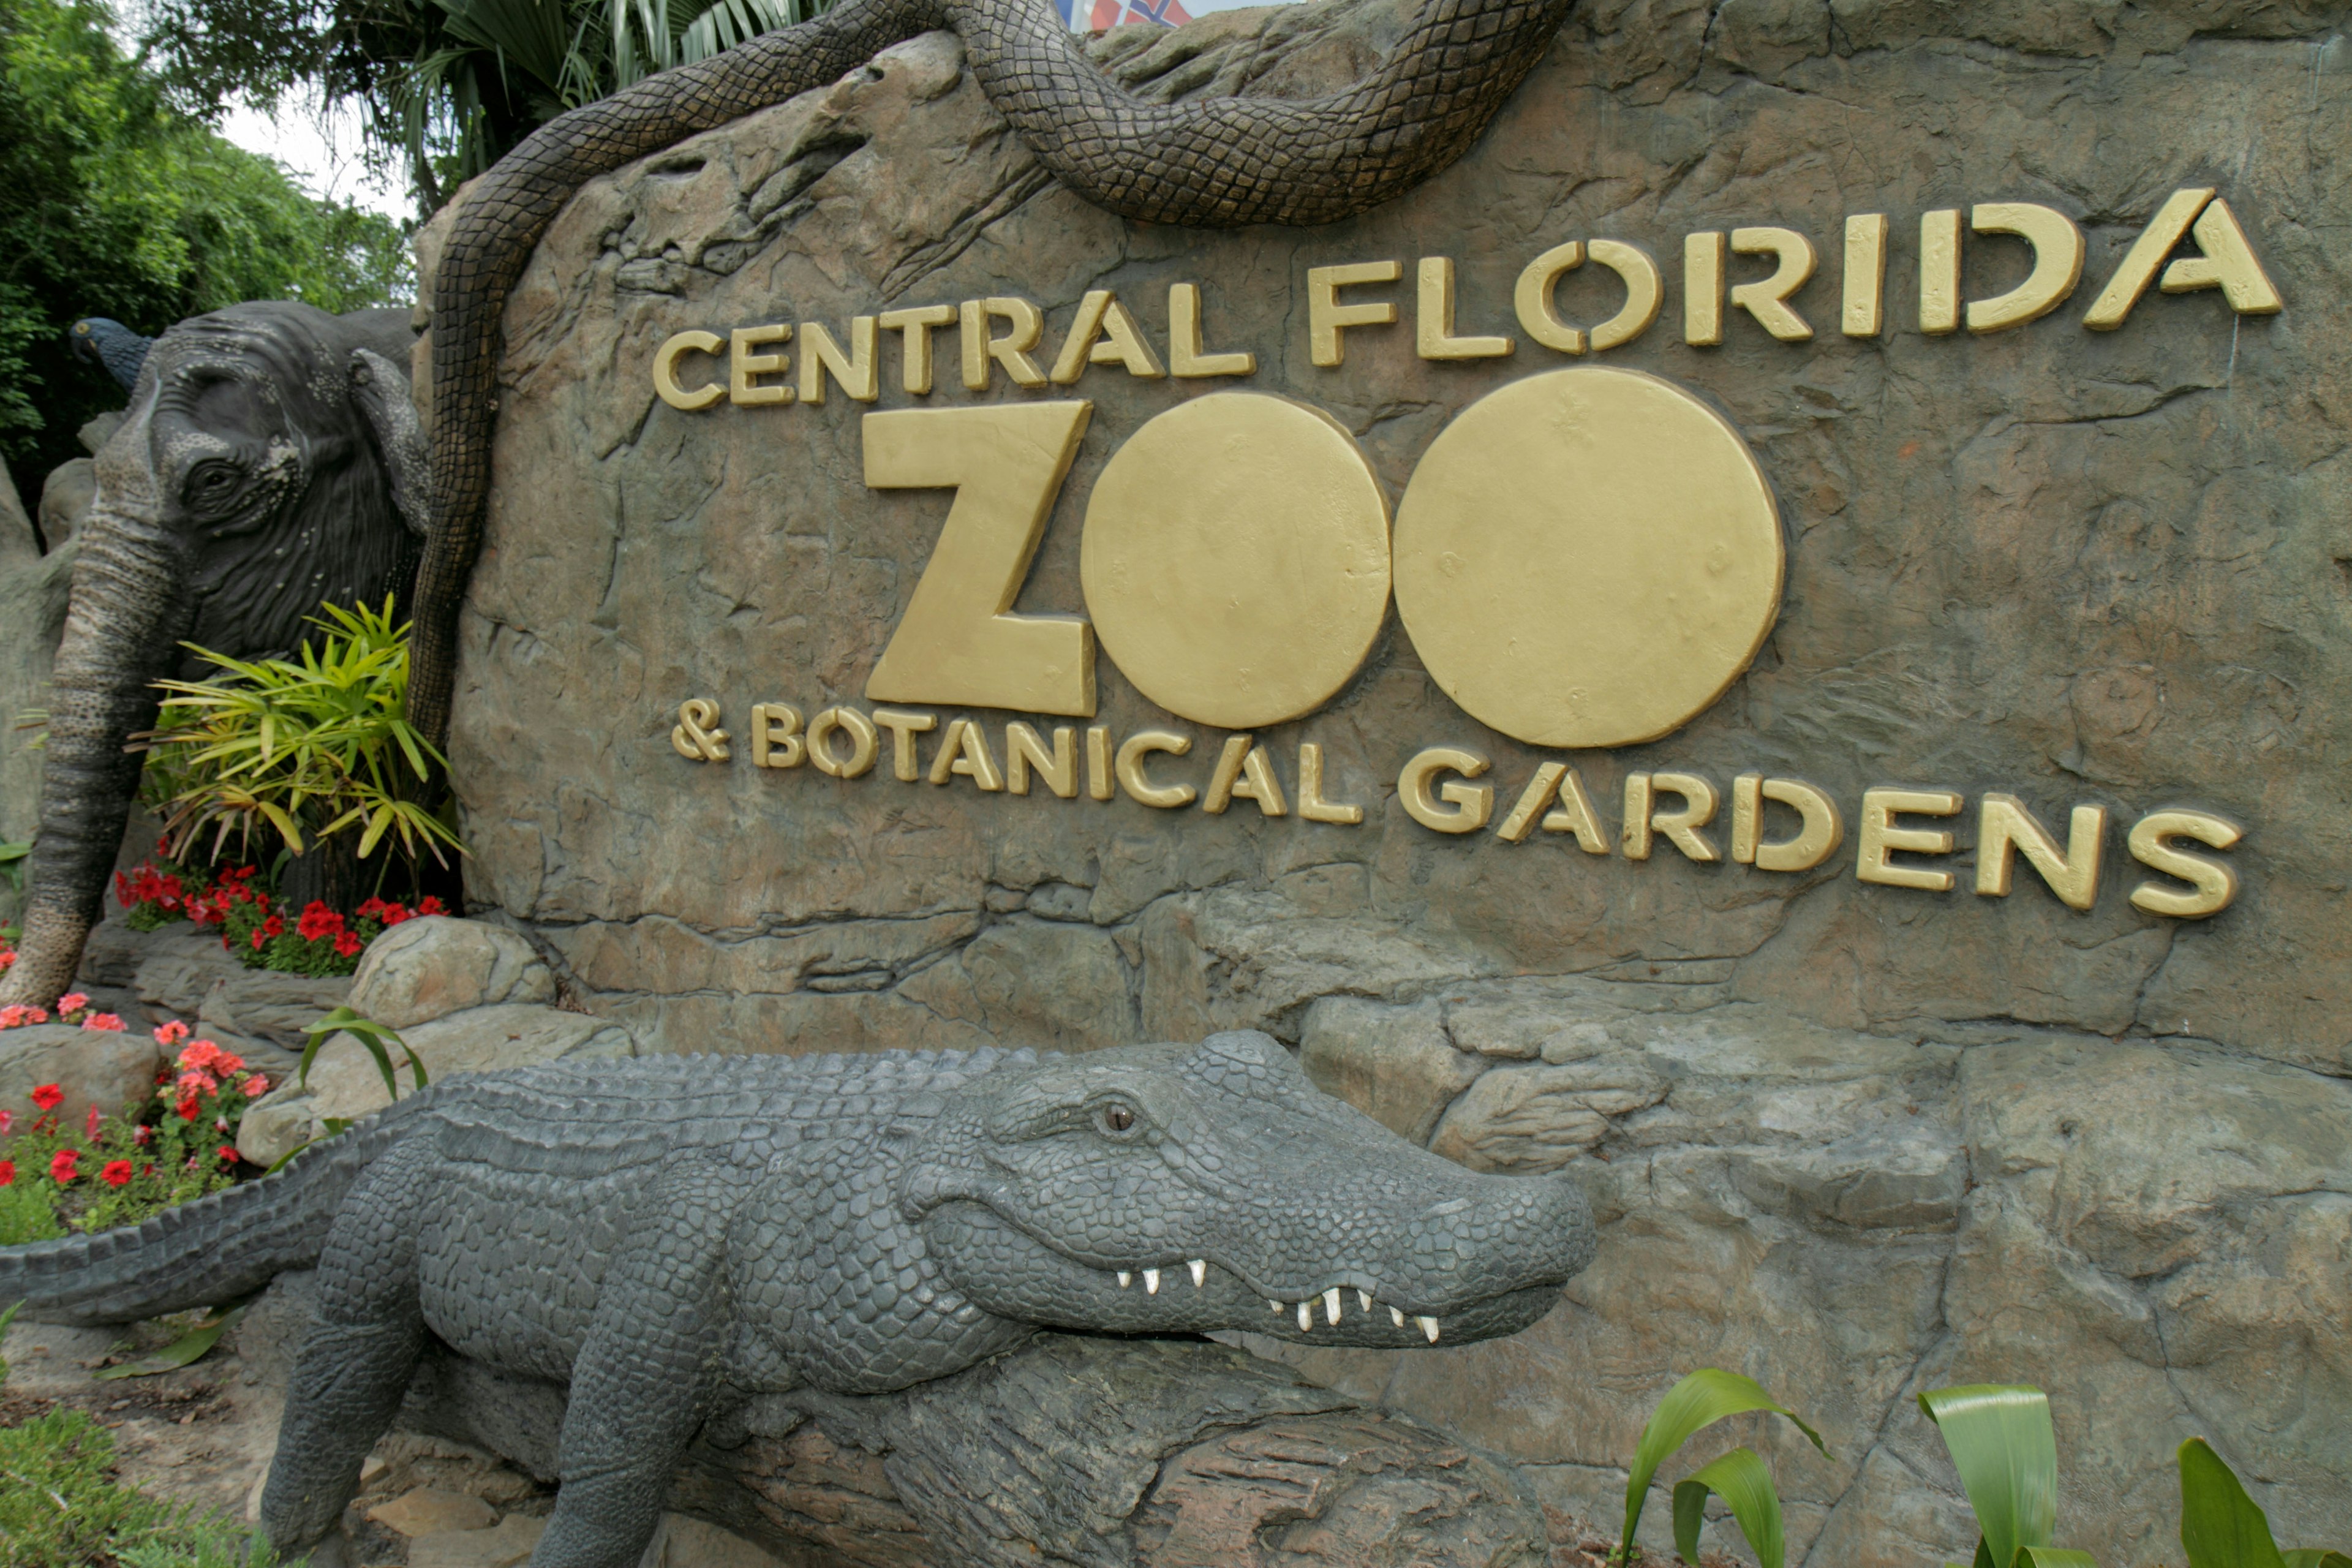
x,y
202,1253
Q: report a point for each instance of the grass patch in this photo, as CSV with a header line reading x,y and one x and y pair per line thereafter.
x,y
60,1507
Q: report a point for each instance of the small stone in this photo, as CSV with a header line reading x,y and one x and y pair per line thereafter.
x,y
505,1546
428,1511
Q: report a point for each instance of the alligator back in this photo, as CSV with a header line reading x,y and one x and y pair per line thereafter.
x,y
569,1122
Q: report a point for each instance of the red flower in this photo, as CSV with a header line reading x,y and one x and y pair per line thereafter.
x,y
61,1165
48,1097
395,913
186,1107
429,905
228,1153
7,1173
258,938
89,1124
318,920
117,1174
103,1023
372,908
348,944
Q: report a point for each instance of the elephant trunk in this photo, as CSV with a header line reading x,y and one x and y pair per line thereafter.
x,y
128,610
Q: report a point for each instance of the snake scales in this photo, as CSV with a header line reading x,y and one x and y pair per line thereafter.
x,y
1219,162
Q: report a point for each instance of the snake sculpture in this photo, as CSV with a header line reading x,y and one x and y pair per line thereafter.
x,y
1220,163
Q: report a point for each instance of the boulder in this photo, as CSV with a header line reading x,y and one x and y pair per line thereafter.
x,y
188,975
345,1083
105,1067
1393,1064
424,969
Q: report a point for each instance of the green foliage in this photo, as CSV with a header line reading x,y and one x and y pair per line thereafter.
x,y
1696,1403
379,1040
26,1213
2002,1442
301,749
62,1508
447,87
122,203
11,862
7,1318
188,1348
2222,1527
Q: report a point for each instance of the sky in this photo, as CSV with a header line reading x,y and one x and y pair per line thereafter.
x,y
325,154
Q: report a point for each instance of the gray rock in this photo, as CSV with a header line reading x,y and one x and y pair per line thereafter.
x,y
100,428
101,1068
1530,1119
424,969
1394,1064
191,976
17,542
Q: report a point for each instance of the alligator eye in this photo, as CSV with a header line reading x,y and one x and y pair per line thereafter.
x,y
1118,1118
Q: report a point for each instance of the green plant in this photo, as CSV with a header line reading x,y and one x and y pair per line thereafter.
x,y
191,1346
7,1318
2222,1527
303,749
379,1040
62,1508
2002,1442
1739,1477
26,1213
11,862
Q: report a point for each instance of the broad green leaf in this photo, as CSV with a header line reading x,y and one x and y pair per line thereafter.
x,y
376,1038
1698,1402
2002,1444
2220,1526
1741,1480
2055,1557
180,1352
2301,1557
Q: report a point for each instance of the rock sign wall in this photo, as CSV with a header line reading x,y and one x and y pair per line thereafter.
x,y
1855,1139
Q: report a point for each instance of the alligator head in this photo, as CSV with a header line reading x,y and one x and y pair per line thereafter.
x,y
1171,1188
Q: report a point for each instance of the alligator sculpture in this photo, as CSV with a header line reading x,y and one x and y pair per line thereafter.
x,y
675,1236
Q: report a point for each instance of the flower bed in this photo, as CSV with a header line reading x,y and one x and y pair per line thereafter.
x,y
259,928
178,1144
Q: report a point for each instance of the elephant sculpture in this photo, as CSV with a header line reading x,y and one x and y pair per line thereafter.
x,y
270,461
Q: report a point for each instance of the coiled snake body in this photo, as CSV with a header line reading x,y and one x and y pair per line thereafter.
x,y
1216,163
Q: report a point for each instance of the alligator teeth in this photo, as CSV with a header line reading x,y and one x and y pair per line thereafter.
x,y
1429,1327
1364,1299
1331,1305
1276,1306
1306,1316
1396,1317
1200,1267
1151,1282
1125,1279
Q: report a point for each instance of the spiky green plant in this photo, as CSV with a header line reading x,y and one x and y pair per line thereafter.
x,y
301,749
1739,1477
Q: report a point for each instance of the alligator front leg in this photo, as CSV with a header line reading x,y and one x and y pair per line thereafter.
x,y
355,1362
645,1377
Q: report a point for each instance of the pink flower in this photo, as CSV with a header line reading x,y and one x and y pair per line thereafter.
x,y
36,1016
7,1121
117,1174
61,1165
201,1054
225,1063
72,1002
48,1097
143,1135
195,1083
12,1016
90,1125
171,1034
106,1023
257,1086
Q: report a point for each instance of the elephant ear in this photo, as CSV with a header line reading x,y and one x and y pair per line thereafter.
x,y
380,390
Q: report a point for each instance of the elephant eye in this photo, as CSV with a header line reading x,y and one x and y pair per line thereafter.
x,y
212,482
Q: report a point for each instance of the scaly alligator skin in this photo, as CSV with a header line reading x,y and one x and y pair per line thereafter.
x,y
673,1235
1220,163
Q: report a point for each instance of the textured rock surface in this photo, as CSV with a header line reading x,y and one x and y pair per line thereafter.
x,y
105,1067
1104,1452
182,972
1856,1140
424,969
